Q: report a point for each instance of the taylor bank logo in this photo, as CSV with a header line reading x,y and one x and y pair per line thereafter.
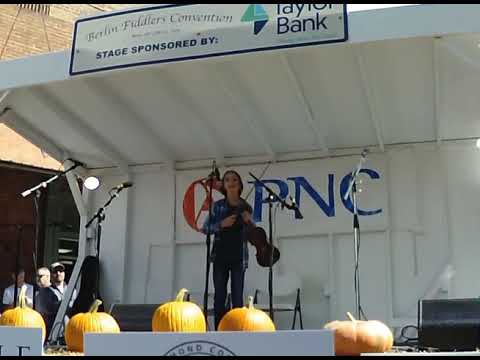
x,y
257,14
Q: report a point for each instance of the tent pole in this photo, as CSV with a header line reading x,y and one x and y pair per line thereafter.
x,y
81,202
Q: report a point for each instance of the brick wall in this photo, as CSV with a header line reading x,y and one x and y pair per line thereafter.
x,y
16,149
14,211
24,32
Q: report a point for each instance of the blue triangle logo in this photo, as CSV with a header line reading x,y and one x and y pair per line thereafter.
x,y
258,26
256,13
260,12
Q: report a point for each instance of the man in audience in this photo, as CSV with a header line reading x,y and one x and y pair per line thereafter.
x,y
9,293
50,298
43,278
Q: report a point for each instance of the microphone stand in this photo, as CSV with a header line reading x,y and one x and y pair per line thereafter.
x,y
100,216
352,190
17,265
208,242
273,197
38,192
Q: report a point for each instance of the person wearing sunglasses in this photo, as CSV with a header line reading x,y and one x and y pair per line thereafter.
x,y
51,297
43,278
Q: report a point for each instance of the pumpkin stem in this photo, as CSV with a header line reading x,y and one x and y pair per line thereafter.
x,y
350,316
21,297
181,295
250,302
95,305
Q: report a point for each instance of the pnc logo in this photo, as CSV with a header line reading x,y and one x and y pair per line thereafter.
x,y
196,199
257,14
194,205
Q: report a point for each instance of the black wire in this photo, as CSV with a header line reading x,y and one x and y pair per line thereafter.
x,y
402,332
408,341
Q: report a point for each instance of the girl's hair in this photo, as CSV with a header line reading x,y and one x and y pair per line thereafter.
x,y
224,191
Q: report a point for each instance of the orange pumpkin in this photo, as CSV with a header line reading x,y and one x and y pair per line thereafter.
x,y
179,316
23,316
356,337
246,319
89,322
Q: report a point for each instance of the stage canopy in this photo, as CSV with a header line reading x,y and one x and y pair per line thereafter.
x,y
406,74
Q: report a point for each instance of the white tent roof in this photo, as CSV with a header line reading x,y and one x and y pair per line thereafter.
x,y
407,74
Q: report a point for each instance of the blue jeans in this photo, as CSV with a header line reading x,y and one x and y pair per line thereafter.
x,y
221,272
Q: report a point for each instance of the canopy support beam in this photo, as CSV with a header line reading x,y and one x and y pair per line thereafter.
x,y
225,79
454,50
4,96
78,125
124,111
320,134
370,95
81,201
204,130
436,93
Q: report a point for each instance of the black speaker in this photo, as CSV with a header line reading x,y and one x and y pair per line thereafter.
x,y
449,324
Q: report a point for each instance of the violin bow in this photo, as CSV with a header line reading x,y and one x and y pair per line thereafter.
x,y
263,173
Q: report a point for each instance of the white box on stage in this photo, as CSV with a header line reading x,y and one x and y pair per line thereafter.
x,y
18,341
306,343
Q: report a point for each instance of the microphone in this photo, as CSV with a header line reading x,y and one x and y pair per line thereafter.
x,y
292,200
215,172
364,154
214,180
123,185
295,208
363,158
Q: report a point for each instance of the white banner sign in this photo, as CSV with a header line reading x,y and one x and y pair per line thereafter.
x,y
183,32
317,186
279,343
15,341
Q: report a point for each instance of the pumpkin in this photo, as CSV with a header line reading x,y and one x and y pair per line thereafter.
x,y
179,316
89,322
23,316
355,337
246,319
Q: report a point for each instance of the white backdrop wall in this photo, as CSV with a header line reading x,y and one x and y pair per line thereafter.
x,y
141,269
429,220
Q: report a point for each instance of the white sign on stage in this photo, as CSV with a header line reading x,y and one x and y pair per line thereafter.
x,y
15,341
317,186
280,343
169,33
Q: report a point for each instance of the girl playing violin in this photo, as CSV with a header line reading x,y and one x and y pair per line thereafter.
x,y
230,217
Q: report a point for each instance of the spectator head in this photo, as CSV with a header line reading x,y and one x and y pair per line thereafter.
x,y
20,276
57,270
43,277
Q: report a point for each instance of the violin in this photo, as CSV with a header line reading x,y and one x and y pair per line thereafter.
x,y
257,237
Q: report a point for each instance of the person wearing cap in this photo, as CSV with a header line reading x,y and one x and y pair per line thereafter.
x,y
8,294
57,270
50,298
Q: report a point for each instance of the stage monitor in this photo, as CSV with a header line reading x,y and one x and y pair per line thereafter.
x,y
449,324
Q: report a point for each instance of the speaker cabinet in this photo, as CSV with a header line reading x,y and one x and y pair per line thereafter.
x,y
449,324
